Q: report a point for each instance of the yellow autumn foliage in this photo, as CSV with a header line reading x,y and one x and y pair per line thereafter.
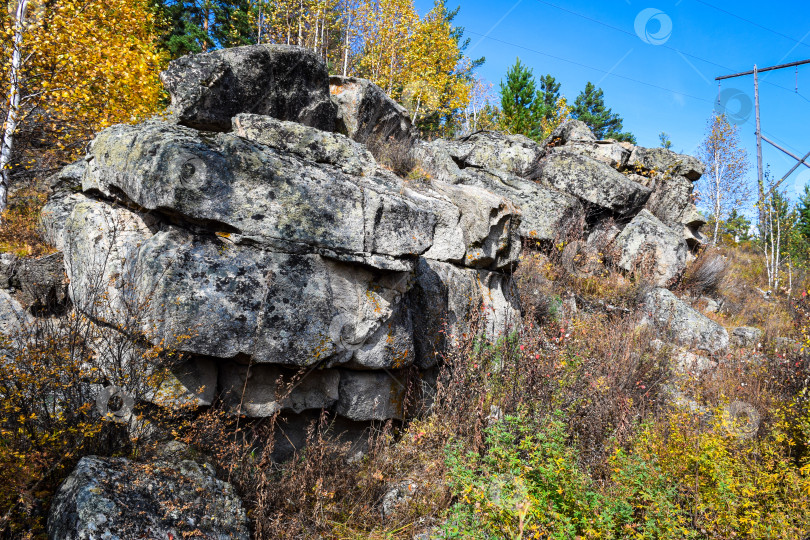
x,y
87,64
415,60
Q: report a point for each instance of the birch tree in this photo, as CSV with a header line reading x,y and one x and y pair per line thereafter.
x,y
481,95
724,186
74,67
778,238
13,107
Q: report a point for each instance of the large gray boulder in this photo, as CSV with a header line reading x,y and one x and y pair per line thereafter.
x,y
677,322
365,113
650,248
241,187
289,203
288,83
572,131
214,297
117,499
592,181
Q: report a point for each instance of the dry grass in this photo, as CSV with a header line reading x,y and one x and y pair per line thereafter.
x,y
394,154
744,303
706,273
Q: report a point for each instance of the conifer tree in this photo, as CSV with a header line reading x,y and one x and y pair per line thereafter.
x,y
590,108
737,226
548,96
803,221
520,106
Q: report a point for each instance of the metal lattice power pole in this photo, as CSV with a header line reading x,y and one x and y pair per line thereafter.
x,y
801,161
771,238
760,179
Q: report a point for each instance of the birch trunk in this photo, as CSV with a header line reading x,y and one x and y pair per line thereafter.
x,y
13,104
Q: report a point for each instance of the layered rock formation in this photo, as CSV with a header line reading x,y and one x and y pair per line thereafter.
x,y
574,187
271,246
253,230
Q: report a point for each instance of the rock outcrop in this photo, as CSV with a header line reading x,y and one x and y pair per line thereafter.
x,y
254,231
570,185
275,245
118,499
365,113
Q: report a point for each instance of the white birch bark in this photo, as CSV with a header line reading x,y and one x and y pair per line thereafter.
x,y
13,103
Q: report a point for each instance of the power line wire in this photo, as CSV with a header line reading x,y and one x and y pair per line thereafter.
x,y
590,67
615,75
754,23
632,34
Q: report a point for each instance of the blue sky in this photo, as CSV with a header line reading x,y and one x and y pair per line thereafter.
x,y
594,41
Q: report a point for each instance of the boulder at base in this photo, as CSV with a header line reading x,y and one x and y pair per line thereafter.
x,y
650,248
117,499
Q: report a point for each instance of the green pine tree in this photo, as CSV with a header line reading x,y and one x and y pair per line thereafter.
x,y
194,26
233,24
186,26
605,124
737,226
520,103
803,208
548,95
